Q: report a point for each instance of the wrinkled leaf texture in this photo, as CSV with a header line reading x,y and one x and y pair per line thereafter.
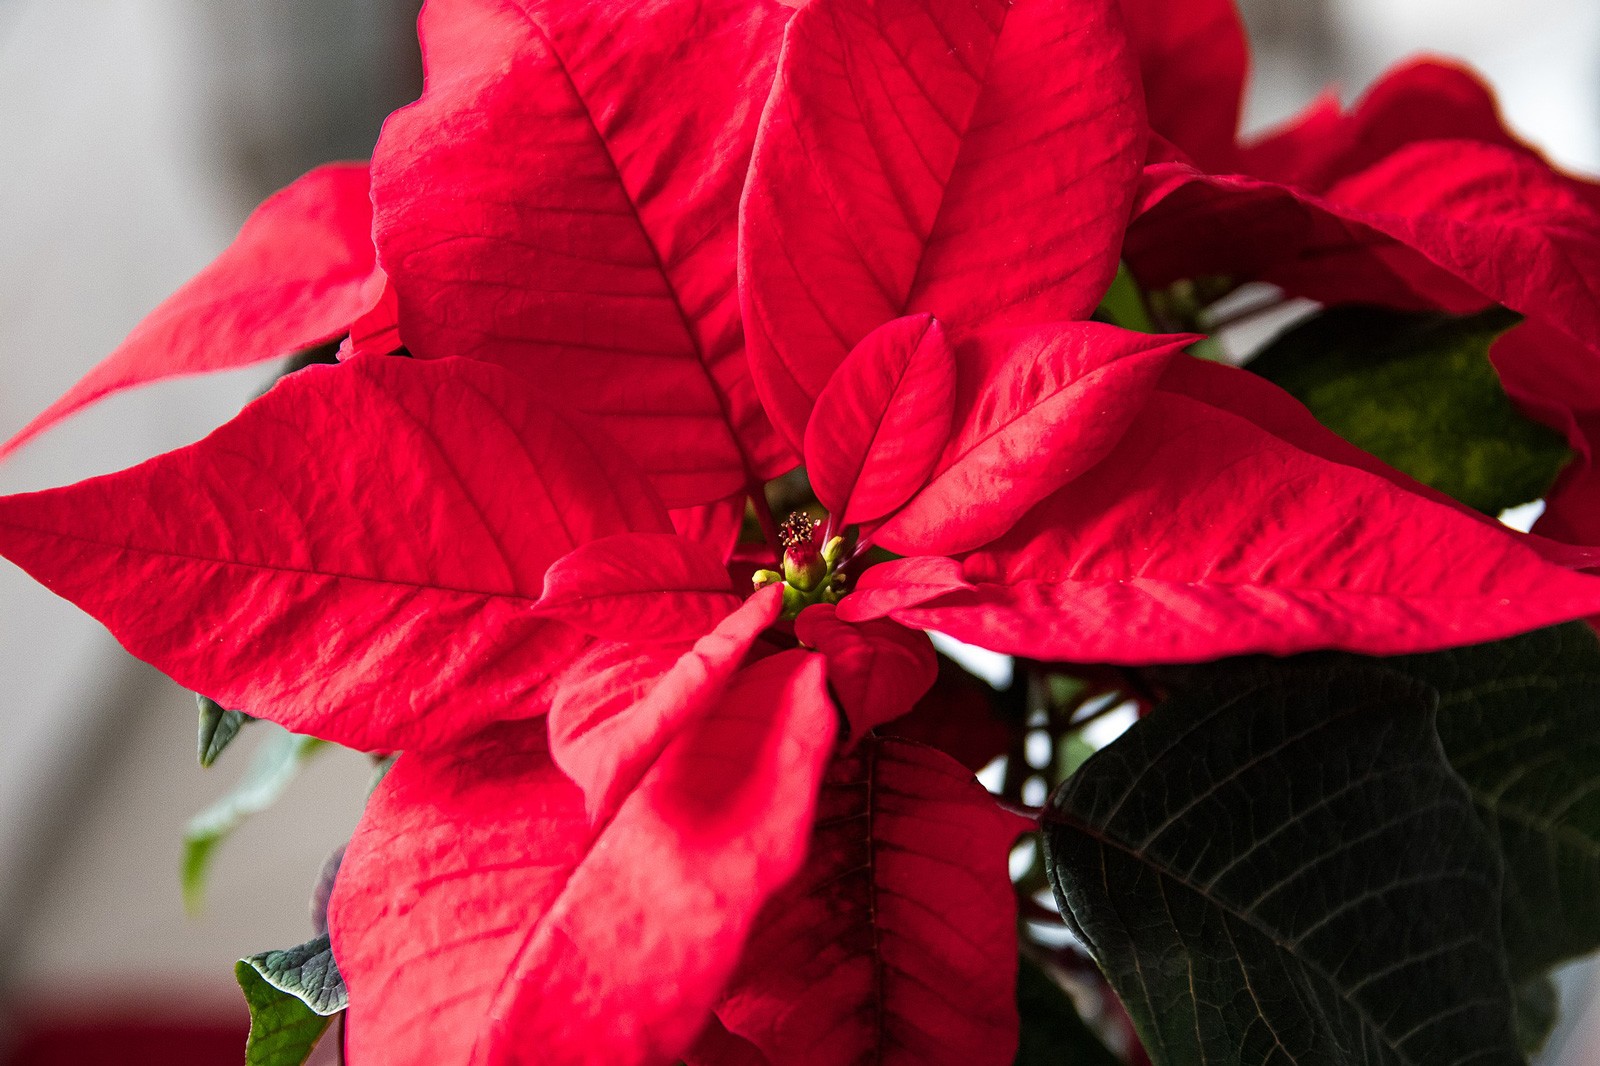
x,y
1203,534
481,917
541,208
973,161
354,556
896,943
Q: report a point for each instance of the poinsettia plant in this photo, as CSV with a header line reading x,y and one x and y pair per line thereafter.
x,y
679,372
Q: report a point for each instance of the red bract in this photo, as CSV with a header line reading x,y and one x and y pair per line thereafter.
x,y
555,204
300,271
1418,197
854,961
345,556
889,177
480,917
1204,534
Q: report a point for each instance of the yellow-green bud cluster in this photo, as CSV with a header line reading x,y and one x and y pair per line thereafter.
x,y
808,576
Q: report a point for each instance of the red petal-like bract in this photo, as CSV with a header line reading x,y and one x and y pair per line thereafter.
x,y
562,201
1433,225
1193,58
881,422
959,716
1035,408
972,160
620,705
300,271
878,669
896,944
639,587
480,917
356,555
1204,535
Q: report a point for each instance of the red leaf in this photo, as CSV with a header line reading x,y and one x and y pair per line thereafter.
x,y
1453,225
618,707
1204,535
958,716
1193,59
886,180
717,1047
355,556
300,271
882,420
639,587
480,917
541,209
716,525
897,942
878,669
1036,408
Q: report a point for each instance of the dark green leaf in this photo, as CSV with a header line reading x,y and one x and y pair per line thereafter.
x,y
1283,868
218,727
1053,1033
276,763
1418,391
1538,1006
293,996
1520,721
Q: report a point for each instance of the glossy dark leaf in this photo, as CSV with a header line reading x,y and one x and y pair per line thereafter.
x,y
1417,391
1520,721
1281,867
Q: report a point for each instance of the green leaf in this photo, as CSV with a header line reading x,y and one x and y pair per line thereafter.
x,y
1053,1033
1520,721
293,996
1281,867
1418,392
1123,304
218,727
275,765
308,972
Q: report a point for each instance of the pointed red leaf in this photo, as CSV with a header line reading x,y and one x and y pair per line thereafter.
x,y
1452,225
639,587
896,944
1424,99
299,272
878,669
1036,408
356,555
1204,535
886,180
541,209
619,706
479,917
1193,59
882,420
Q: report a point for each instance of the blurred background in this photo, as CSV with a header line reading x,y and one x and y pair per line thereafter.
x,y
135,135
